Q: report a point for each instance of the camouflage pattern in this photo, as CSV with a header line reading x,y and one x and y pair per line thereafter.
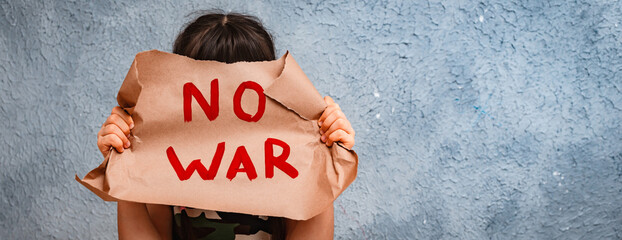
x,y
190,223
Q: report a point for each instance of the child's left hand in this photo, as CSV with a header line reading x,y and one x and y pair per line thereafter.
x,y
334,126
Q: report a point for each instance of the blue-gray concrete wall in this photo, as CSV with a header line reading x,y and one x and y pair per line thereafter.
x,y
475,119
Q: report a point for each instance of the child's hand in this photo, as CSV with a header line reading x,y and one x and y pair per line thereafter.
x,y
115,131
334,126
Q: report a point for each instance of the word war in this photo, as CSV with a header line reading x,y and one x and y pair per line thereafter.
x,y
241,162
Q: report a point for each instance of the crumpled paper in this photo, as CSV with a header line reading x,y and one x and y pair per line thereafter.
x,y
231,152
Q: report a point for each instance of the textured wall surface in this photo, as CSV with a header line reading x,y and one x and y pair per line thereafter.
x,y
475,120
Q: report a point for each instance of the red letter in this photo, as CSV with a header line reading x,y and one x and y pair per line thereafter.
x,y
237,98
241,158
184,174
278,161
211,110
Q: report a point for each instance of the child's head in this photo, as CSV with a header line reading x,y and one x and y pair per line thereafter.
x,y
227,38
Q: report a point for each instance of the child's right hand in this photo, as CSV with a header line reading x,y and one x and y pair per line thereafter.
x,y
115,131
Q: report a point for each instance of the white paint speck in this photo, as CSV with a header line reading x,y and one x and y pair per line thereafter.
x,y
481,18
556,173
376,94
392,109
378,116
562,177
425,221
559,184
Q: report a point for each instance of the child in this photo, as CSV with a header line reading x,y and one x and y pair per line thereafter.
x,y
226,38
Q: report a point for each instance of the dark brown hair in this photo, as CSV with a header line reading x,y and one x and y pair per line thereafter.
x,y
229,38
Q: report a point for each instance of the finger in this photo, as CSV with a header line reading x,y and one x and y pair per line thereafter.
x,y
329,110
337,136
328,100
123,114
114,141
330,120
341,136
117,120
114,129
339,124
102,146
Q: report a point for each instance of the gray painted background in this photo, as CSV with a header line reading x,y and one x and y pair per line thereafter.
x,y
475,120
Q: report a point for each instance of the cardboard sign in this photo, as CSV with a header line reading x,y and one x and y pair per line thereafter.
x,y
239,137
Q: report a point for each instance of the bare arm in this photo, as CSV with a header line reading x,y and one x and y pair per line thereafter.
x,y
320,227
134,222
334,127
162,218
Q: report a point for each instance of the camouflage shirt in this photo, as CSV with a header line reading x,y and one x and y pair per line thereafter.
x,y
190,223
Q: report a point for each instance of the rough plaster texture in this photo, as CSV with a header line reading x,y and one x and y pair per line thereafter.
x,y
475,120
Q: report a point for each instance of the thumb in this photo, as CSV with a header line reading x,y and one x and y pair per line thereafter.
x,y
328,100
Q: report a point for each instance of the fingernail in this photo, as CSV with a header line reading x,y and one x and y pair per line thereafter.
x,y
323,138
131,125
319,123
127,144
321,132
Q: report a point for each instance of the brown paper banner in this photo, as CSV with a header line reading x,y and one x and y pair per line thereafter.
x,y
239,137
